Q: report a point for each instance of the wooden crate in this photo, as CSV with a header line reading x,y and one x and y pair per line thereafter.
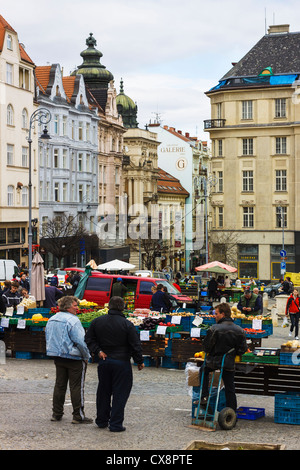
x,y
184,349
25,340
203,445
155,347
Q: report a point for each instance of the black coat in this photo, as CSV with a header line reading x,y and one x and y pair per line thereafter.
x,y
220,338
115,336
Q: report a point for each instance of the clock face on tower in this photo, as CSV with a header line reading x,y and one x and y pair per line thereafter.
x,y
181,163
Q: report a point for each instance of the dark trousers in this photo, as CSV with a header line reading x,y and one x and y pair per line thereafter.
x,y
228,380
294,322
115,383
73,372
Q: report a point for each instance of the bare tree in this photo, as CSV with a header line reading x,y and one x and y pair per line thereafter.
x,y
150,249
62,235
224,247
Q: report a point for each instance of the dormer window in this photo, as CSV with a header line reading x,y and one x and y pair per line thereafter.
x,y
9,43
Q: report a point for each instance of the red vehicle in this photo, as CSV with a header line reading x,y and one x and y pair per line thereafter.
x,y
99,286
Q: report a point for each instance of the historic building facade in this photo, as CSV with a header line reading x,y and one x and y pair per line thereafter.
x,y
17,90
68,162
255,133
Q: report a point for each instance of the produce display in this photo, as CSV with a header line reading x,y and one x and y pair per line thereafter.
x,y
182,314
293,344
28,303
88,316
129,300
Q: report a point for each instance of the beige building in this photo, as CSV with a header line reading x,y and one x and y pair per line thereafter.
x,y
255,134
17,91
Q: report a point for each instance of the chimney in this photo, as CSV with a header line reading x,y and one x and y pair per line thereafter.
x,y
179,132
187,134
279,29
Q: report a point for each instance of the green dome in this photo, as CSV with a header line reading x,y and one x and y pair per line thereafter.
x,y
127,108
91,68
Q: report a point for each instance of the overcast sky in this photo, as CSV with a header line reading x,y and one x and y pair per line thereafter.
x,y
168,52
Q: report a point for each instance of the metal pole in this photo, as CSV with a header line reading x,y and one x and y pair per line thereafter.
x,y
30,212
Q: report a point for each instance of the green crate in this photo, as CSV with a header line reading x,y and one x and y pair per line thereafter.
x,y
260,359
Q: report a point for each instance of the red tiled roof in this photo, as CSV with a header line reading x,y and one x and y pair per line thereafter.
x,y
69,83
168,184
42,74
4,26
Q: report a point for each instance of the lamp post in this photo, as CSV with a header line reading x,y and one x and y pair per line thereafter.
x,y
42,116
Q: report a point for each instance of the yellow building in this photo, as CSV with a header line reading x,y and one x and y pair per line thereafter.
x,y
255,133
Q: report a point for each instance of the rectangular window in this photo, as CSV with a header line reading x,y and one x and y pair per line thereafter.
x,y
9,74
80,193
24,196
98,284
10,154
64,125
248,180
56,158
88,162
247,146
56,124
247,110
13,235
56,192
73,130
280,145
80,131
220,148
281,180
80,160
220,182
65,192
280,107
221,217
248,217
88,133
281,217
65,158
25,156
2,236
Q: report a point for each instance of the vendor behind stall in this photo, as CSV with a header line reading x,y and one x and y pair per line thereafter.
x,y
250,303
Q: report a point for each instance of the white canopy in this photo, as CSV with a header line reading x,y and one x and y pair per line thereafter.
x,y
116,265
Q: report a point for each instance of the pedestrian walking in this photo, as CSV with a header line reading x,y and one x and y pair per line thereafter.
x,y
114,340
65,343
221,337
293,310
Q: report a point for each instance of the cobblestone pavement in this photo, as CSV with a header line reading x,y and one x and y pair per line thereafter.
x,y
157,416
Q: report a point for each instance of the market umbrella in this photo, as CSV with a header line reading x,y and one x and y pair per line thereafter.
x,y
84,278
37,283
116,265
217,267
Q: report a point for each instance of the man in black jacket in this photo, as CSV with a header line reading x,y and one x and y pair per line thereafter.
x,y
114,340
221,338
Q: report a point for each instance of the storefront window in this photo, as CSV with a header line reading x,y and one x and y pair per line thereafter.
x,y
13,235
248,261
276,260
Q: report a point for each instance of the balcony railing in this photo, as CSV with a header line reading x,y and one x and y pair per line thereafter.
x,y
214,123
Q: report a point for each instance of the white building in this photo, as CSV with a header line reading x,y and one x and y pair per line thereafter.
x,y
182,156
68,162
17,92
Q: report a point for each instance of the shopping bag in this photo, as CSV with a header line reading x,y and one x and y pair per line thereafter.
x,y
285,322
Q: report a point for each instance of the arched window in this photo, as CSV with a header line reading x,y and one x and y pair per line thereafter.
x,y
24,118
10,115
10,195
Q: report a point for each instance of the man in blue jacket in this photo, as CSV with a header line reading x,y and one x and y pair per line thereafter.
x,y
65,343
160,300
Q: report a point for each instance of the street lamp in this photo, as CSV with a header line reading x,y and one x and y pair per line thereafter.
x,y
42,116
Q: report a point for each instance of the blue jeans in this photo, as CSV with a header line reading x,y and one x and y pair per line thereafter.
x,y
115,383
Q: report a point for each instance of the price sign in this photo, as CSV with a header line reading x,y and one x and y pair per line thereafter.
x,y
161,330
144,335
5,322
197,321
195,332
257,324
20,309
21,324
176,319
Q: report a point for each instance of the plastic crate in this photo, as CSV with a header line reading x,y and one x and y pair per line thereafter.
x,y
248,357
23,355
289,401
244,412
285,358
287,416
212,401
206,308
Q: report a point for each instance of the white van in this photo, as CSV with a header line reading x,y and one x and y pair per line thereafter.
x,y
8,268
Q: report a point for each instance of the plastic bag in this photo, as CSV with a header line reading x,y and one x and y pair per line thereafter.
x,y
285,322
